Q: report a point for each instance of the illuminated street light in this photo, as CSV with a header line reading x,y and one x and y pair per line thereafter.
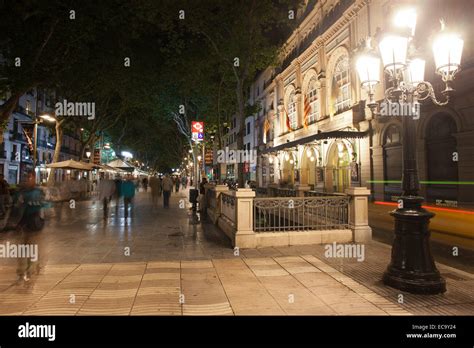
x,y
412,267
47,118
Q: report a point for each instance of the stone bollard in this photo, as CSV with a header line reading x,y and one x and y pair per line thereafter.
x,y
359,214
244,234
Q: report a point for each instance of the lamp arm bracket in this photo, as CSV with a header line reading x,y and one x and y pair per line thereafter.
x,y
425,90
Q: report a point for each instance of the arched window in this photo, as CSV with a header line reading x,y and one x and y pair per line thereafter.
x,y
313,100
392,136
292,110
441,143
342,82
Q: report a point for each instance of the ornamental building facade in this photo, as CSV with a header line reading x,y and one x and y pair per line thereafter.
x,y
315,131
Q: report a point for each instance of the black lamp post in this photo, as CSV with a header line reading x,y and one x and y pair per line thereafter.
x,y
412,267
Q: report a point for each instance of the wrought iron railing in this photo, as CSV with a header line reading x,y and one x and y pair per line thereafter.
x,y
284,192
261,191
322,194
300,213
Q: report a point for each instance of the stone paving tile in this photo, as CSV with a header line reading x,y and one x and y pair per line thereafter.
x,y
202,290
245,292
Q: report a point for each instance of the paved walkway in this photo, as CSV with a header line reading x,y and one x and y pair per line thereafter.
x,y
177,267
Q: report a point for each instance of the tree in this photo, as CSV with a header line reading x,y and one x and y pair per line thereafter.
x,y
245,44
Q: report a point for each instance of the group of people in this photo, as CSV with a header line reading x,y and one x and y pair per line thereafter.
x,y
164,185
126,188
118,188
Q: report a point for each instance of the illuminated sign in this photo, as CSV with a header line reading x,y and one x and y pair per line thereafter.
x,y
197,130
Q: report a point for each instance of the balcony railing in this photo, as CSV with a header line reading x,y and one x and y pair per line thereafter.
x,y
300,214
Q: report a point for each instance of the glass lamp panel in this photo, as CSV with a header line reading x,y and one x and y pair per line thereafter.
x,y
447,50
416,71
393,50
368,69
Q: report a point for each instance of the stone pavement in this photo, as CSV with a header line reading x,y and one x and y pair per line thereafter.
x,y
178,267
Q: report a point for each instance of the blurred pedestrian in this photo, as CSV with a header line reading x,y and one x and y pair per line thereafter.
x,y
128,192
107,189
167,186
202,195
145,184
118,191
184,182
28,215
160,190
155,186
177,182
136,183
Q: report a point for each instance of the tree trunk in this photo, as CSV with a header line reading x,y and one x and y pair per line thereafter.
x,y
240,133
57,151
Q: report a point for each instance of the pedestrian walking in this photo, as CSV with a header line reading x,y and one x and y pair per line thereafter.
x,y
118,191
176,183
160,187
145,184
107,189
184,182
128,192
202,195
167,186
155,186
29,221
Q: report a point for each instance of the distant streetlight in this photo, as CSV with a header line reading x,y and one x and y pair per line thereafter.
x,y
47,118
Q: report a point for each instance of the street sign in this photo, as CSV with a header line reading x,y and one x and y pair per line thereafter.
x,y
197,130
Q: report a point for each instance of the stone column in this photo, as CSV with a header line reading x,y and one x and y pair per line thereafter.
x,y
244,234
359,214
301,189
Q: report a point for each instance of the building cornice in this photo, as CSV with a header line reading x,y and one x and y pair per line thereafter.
x,y
331,32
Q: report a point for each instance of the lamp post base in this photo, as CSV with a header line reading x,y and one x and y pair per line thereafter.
x,y
412,266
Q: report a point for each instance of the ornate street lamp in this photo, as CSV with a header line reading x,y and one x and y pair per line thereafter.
x,y
412,266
